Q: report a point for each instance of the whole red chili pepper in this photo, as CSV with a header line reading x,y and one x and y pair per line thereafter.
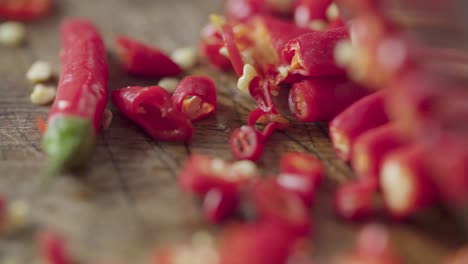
x,y
195,96
312,55
142,60
24,10
75,117
247,143
151,108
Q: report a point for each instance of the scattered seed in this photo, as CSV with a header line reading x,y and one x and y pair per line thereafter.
x,y
40,71
43,94
169,84
12,34
186,58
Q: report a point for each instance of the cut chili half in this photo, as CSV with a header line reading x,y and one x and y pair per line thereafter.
x,y
195,96
24,10
151,108
247,143
142,60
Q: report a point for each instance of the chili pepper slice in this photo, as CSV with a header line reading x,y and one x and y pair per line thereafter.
x,y
247,143
312,54
195,96
281,208
142,60
75,117
211,44
272,121
24,10
151,108
218,205
52,249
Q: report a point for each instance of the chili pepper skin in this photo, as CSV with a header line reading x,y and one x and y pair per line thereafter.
x,y
358,118
247,143
322,99
281,208
142,60
218,205
372,146
195,96
151,108
210,46
26,10
406,181
76,115
355,200
308,10
312,55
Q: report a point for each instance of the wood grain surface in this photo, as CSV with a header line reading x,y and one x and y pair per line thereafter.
x,y
126,201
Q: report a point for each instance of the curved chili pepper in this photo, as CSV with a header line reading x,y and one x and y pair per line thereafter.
x,y
151,108
312,55
247,143
195,97
24,10
272,121
142,60
75,117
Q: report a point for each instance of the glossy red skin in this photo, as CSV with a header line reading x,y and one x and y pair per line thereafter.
x,y
355,200
308,10
255,243
372,146
197,177
413,158
220,204
281,208
316,53
52,249
173,126
200,86
142,60
212,41
26,10
233,50
251,141
365,114
82,89
323,99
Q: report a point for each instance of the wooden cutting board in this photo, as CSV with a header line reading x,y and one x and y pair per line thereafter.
x,y
127,201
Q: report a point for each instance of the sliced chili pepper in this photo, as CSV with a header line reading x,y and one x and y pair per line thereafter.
x,y
312,55
195,96
322,99
151,108
52,249
272,121
211,44
41,125
233,50
218,205
247,143
24,10
202,174
281,208
142,60
75,117
355,200
309,10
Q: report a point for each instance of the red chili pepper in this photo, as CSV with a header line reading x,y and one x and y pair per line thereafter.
x,y
202,174
24,10
151,108
142,60
233,50
218,205
211,44
195,96
255,243
52,249
312,55
322,99
247,143
302,174
75,117
308,10
355,200
281,208
272,121
363,115
373,243
371,147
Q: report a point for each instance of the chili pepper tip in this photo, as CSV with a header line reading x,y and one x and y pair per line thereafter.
x,y
68,142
